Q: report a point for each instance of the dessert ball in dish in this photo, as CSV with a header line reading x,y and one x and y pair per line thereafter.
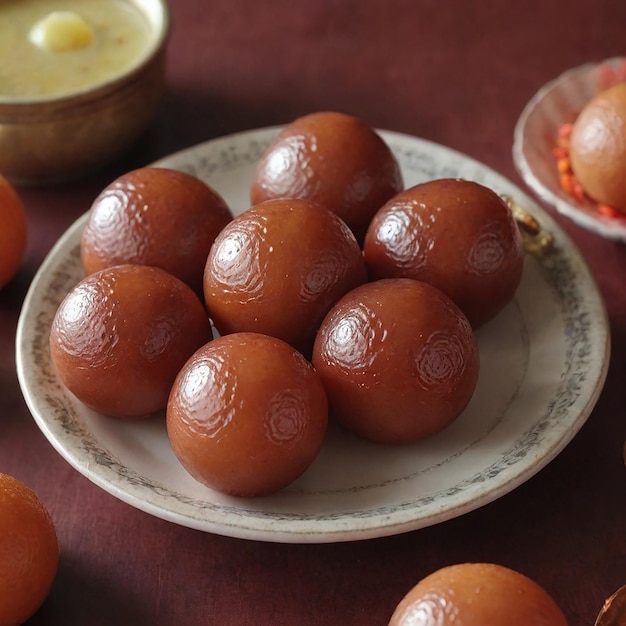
x,y
455,234
333,159
598,147
278,268
121,335
247,414
154,216
398,359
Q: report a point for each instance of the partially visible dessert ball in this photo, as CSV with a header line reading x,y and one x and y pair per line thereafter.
x,y
598,148
121,335
154,216
398,359
477,594
278,268
333,159
457,235
247,414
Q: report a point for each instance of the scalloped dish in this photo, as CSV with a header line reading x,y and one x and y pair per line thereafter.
x,y
544,362
537,135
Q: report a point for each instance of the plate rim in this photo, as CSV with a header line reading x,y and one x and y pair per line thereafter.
x,y
308,534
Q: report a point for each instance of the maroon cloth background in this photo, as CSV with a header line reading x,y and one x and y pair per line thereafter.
x,y
457,73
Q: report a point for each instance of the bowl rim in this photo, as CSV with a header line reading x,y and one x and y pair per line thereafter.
x,y
10,106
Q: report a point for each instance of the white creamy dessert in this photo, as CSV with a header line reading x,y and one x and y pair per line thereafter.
x,y
52,48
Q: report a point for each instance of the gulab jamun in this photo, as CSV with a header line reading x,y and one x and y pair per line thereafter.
x,y
598,147
154,216
278,268
247,414
120,336
398,359
334,159
477,594
455,234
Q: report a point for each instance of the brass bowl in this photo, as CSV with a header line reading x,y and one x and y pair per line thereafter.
x,y
50,140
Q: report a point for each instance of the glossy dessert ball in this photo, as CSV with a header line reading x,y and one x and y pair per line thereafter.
x,y
598,148
455,234
477,594
398,359
333,159
154,216
278,268
121,335
29,552
247,414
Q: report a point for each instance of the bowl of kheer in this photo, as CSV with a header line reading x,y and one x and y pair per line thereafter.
x,y
80,81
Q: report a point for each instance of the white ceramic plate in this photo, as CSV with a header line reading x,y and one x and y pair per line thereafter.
x,y
559,102
544,361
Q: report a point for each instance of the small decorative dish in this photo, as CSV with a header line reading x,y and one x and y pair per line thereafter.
x,y
541,136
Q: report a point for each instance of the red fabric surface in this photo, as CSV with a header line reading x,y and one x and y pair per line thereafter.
x,y
457,73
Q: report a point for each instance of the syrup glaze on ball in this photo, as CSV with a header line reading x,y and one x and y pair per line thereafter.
x,y
278,268
247,414
398,359
154,216
333,159
120,336
455,234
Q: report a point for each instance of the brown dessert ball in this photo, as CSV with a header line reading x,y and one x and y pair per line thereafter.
x,y
29,552
154,216
121,335
247,414
455,234
598,147
333,159
398,359
278,268
477,594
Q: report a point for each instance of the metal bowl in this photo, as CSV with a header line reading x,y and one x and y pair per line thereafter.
x,y
50,140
